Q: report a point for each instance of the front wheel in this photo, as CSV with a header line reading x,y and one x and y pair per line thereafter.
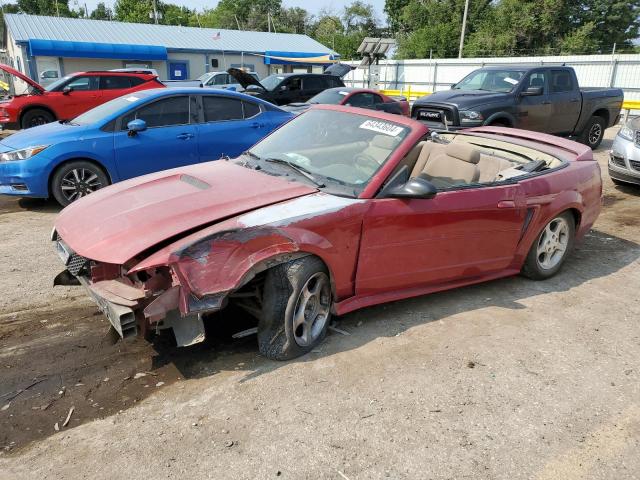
x,y
551,247
36,117
593,133
75,180
296,308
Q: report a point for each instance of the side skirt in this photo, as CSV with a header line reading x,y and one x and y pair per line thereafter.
x,y
357,302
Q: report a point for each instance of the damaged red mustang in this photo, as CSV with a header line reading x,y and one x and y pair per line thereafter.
x,y
339,209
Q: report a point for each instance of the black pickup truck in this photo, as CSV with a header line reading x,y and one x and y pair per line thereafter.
x,y
541,98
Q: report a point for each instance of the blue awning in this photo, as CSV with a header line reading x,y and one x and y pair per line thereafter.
x,y
294,58
59,48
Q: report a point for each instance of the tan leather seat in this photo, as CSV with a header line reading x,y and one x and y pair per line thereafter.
x,y
489,167
448,165
380,147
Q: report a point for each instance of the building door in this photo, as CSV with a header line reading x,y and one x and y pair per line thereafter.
x,y
178,71
48,70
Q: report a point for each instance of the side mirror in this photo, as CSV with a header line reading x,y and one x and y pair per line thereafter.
x,y
532,92
67,90
417,187
135,126
284,88
453,86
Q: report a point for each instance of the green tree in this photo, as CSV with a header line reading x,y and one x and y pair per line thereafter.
x,y
47,7
101,12
614,21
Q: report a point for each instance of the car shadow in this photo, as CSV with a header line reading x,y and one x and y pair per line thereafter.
x,y
10,204
599,255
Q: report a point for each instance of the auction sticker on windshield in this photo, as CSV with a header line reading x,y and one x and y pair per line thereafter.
x,y
382,127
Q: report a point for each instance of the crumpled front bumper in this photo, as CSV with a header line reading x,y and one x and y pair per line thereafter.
x,y
130,309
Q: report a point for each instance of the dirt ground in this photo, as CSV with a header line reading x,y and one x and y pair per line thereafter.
x,y
511,379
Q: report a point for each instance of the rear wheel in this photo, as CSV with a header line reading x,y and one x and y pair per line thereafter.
x,y
35,117
551,247
75,180
593,132
296,309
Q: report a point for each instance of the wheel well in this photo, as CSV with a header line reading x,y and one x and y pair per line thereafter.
x,y
501,121
604,113
97,164
577,217
37,107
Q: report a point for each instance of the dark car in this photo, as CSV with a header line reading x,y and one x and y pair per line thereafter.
x,y
354,97
544,99
282,89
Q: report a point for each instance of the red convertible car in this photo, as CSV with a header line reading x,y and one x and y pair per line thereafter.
x,y
339,209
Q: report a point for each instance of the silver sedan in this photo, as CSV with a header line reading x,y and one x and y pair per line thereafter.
x,y
624,159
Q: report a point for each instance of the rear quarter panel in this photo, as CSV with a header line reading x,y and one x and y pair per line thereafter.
x,y
576,187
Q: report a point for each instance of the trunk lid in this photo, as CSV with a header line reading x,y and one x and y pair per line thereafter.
x,y
117,223
338,69
24,78
244,79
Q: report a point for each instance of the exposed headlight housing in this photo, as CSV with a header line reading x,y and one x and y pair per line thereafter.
x,y
21,154
626,132
470,116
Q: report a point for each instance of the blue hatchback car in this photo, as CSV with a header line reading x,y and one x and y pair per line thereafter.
x,y
132,135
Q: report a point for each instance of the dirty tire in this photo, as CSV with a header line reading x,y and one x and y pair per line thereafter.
x,y
534,266
36,117
86,177
286,288
593,132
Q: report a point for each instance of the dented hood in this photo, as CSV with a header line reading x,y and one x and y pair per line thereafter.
x,y
115,224
24,78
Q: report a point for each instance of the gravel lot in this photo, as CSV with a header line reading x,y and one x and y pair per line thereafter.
x,y
511,379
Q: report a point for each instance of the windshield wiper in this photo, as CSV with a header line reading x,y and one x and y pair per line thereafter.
x,y
249,153
301,170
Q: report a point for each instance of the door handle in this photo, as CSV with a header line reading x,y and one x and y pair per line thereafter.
x,y
546,102
575,100
257,125
506,204
184,136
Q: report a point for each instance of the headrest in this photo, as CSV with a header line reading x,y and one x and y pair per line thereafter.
x,y
384,141
537,82
463,152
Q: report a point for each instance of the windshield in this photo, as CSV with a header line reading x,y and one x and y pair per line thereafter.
x,y
52,87
491,80
272,81
205,76
329,97
105,110
340,148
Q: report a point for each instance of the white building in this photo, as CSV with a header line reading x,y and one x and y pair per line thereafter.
x,y
37,44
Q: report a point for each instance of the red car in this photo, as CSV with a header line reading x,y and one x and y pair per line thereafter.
x,y
339,209
354,97
68,97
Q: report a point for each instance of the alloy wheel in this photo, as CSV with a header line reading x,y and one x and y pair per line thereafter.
x,y
553,243
78,183
312,309
595,133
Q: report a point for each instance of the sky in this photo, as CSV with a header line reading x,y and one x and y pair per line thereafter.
x,y
313,6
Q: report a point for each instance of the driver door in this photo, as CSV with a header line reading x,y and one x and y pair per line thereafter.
x,y
458,234
84,95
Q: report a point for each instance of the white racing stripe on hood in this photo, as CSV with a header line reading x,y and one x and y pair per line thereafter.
x,y
296,209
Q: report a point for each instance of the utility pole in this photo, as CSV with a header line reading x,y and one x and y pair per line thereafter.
x,y
464,27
